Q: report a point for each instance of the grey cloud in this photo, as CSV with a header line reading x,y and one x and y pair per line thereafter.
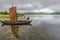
x,y
55,7
36,4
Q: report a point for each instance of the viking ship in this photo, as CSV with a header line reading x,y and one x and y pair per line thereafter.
x,y
13,18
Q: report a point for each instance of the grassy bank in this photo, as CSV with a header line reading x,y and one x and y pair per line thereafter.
x,y
2,16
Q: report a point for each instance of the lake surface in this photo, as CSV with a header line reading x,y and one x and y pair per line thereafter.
x,y
44,27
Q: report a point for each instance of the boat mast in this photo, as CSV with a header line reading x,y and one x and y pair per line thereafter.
x,y
12,13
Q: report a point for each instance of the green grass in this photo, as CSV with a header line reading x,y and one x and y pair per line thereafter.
x,y
20,14
3,16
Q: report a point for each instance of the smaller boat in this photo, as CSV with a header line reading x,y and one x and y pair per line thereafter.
x,y
16,23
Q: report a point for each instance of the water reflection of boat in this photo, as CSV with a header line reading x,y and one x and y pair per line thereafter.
x,y
27,22
15,30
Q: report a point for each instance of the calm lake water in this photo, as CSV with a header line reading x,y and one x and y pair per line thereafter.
x,y
44,27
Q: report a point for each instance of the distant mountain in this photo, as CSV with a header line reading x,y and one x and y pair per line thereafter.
x,y
42,13
56,13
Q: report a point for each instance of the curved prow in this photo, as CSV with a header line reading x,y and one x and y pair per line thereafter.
x,y
28,18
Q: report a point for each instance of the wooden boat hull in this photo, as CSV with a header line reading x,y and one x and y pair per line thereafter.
x,y
16,23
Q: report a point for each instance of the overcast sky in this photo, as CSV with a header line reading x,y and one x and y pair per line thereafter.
x,y
30,4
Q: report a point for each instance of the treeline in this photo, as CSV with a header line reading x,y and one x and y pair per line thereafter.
x,y
32,13
4,13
